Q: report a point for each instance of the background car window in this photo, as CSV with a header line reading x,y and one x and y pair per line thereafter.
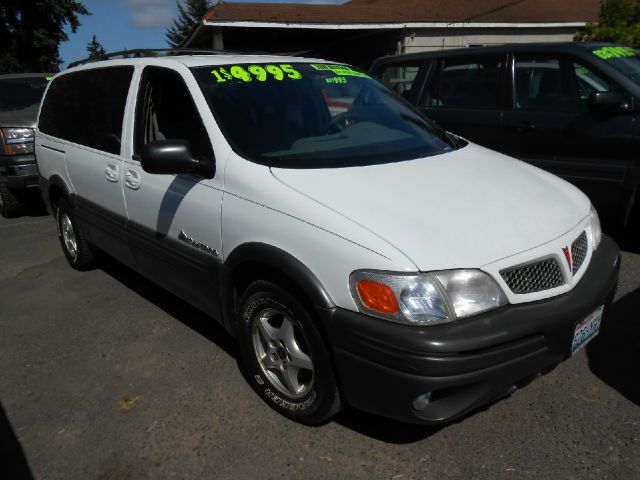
x,y
465,83
166,112
555,84
588,82
87,107
400,78
18,93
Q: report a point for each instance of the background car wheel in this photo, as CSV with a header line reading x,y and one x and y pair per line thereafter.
x,y
284,355
74,244
10,204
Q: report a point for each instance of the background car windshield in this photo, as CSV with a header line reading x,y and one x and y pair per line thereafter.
x,y
18,93
628,66
624,59
315,115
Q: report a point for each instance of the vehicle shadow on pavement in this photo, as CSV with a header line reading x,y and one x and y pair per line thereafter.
x,y
384,429
14,462
193,318
627,239
614,355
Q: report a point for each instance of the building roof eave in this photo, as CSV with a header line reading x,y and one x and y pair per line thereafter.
x,y
383,26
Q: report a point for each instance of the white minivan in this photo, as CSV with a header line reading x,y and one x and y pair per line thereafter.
x,y
360,255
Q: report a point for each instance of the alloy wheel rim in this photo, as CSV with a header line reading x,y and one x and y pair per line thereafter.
x,y
68,235
282,353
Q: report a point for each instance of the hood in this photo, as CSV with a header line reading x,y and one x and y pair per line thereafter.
x,y
25,117
462,209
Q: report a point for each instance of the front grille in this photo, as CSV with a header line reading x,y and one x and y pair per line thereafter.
x,y
579,252
534,277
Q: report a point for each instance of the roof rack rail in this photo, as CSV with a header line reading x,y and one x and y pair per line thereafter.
x,y
151,52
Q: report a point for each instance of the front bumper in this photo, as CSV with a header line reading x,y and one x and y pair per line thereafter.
x,y
384,367
20,171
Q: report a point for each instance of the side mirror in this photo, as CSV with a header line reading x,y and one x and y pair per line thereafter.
x,y
603,102
168,157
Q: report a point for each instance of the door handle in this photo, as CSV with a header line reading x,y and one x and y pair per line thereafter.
x,y
132,179
112,172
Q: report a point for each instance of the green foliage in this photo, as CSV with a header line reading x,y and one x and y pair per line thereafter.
x,y
95,48
31,32
619,23
189,16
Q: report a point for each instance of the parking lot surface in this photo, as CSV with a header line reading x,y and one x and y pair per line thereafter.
x,y
105,376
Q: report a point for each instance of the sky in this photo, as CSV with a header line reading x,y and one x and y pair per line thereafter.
x,y
129,24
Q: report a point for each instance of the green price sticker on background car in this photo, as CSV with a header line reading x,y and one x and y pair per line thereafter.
x,y
614,52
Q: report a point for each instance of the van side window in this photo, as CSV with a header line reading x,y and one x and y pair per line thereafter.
x,y
87,107
165,111
399,77
465,83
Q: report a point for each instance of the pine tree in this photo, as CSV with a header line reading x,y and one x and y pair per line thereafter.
x,y
189,16
95,48
31,32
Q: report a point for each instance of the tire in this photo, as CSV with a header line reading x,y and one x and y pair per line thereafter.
x,y
284,355
10,204
74,244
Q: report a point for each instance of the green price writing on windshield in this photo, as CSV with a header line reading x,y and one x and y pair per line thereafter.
x,y
614,52
260,73
341,70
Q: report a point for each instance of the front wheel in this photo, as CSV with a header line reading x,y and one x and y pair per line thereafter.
x,y
285,357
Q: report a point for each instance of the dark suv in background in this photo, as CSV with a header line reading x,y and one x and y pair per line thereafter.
x,y
569,108
20,97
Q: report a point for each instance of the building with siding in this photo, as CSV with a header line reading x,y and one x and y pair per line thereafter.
x,y
358,31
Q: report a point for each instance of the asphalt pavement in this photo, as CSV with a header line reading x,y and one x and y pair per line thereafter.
x,y
105,376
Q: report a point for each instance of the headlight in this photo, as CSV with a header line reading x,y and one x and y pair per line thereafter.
x,y
425,298
18,141
596,229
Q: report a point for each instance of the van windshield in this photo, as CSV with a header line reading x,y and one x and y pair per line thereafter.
x,y
316,115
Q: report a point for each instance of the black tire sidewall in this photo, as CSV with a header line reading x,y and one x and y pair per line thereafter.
x,y
11,205
313,407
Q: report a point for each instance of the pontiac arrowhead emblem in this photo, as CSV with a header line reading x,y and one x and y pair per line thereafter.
x,y
567,255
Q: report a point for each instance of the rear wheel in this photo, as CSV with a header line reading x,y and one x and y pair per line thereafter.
x,y
10,204
284,354
74,244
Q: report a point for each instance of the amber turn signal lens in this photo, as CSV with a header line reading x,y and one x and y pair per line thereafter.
x,y
377,296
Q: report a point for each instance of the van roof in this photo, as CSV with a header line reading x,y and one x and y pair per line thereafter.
x,y
190,58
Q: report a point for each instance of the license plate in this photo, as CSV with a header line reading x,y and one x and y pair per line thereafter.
x,y
586,330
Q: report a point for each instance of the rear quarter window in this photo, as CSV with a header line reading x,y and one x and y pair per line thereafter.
x,y
87,107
